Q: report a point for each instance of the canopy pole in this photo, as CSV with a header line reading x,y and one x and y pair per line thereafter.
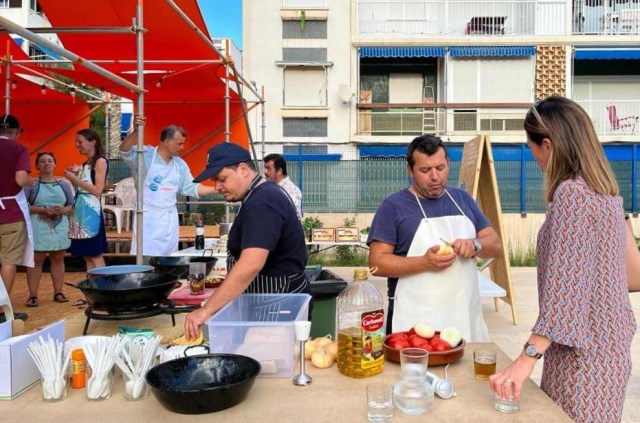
x,y
263,123
42,41
139,30
7,88
56,81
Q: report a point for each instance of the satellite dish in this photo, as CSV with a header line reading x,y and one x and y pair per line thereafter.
x,y
345,93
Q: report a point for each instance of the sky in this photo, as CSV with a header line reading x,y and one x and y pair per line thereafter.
x,y
223,19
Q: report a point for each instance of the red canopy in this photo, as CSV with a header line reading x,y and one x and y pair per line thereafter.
x,y
184,76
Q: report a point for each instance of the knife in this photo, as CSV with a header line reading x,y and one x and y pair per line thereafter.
x,y
447,243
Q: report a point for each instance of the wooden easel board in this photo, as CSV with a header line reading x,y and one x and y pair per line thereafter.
x,y
477,170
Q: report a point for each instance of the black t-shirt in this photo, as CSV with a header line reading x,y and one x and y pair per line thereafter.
x,y
268,220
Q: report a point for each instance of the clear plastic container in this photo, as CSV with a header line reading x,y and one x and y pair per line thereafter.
x,y
361,327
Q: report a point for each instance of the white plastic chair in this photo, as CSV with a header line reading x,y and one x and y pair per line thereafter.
x,y
124,199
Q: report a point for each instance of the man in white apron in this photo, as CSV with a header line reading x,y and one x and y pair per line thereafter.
x,y
408,230
165,176
16,238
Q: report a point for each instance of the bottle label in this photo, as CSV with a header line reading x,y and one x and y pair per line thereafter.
x,y
373,333
199,230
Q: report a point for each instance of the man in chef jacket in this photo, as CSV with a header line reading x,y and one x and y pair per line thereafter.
x,y
407,231
165,176
16,247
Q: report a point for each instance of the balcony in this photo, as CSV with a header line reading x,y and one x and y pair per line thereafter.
x,y
466,119
385,18
606,18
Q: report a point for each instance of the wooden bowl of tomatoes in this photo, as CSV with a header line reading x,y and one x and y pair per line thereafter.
x,y
440,352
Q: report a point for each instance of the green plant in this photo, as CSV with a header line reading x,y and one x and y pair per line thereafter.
x,y
310,223
365,231
528,260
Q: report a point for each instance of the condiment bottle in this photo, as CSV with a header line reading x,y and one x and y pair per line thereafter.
x,y
199,235
78,369
361,327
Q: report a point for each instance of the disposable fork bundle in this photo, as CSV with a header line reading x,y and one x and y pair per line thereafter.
x,y
50,360
135,363
100,357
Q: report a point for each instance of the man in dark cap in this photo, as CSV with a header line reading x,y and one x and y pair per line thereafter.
x,y
266,248
15,224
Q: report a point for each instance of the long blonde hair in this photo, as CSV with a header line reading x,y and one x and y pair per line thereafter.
x,y
576,149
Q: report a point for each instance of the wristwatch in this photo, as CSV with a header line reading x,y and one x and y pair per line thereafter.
x,y
476,245
532,351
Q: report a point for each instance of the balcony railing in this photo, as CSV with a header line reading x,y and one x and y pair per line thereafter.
x,y
468,119
302,4
461,17
608,18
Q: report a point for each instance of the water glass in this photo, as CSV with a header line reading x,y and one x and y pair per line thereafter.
x,y
413,364
484,363
506,401
135,388
99,385
379,402
54,387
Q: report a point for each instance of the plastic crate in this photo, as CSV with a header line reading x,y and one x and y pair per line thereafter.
x,y
260,326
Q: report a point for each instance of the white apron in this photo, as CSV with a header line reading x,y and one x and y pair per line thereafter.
x,y
21,199
446,298
160,223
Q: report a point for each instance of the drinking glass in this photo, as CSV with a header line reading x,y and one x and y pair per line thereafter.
x,y
379,402
506,401
484,363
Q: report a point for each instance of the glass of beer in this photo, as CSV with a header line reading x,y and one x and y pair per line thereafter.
x,y
484,363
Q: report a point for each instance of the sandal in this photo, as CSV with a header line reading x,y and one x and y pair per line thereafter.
x,y
60,298
32,302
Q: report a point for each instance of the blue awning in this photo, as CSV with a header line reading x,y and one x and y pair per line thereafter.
x,y
398,51
603,53
492,51
18,40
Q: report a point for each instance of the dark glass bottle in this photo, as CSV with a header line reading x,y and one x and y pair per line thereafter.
x,y
200,235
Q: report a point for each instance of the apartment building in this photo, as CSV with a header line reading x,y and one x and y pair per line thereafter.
x,y
28,14
356,78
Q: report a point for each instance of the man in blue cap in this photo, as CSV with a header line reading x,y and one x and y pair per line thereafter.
x,y
266,248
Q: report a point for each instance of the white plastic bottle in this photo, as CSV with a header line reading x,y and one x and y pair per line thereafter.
x,y
360,325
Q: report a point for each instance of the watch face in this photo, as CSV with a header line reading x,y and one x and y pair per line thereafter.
x,y
531,350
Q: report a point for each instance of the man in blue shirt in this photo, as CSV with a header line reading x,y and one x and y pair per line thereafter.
x,y
408,230
266,247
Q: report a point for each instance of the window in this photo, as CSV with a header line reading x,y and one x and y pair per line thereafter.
x,y
11,3
304,55
305,87
310,30
304,127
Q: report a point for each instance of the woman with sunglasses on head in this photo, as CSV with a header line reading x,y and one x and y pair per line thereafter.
x,y
50,201
86,227
585,323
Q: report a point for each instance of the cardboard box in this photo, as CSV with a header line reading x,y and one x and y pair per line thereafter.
x,y
18,372
347,234
261,326
323,234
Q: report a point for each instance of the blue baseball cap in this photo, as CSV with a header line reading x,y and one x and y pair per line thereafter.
x,y
220,156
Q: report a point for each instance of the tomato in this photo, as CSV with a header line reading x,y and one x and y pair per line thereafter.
x,y
435,340
399,335
416,341
428,347
398,344
441,346
446,344
412,331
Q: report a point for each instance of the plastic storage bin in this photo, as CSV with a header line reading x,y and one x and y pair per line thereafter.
x,y
260,326
325,288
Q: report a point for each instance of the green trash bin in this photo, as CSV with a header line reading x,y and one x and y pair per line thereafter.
x,y
325,288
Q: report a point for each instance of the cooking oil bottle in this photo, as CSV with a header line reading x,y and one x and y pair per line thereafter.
x,y
361,327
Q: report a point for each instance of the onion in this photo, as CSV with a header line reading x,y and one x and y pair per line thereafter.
x,y
321,358
332,348
323,341
309,348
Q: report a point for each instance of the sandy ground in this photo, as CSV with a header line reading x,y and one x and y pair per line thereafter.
x,y
507,335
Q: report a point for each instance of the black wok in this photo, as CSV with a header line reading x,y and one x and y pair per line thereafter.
x,y
203,383
127,291
179,265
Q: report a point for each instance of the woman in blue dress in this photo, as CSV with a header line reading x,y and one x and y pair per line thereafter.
x,y
50,201
87,233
